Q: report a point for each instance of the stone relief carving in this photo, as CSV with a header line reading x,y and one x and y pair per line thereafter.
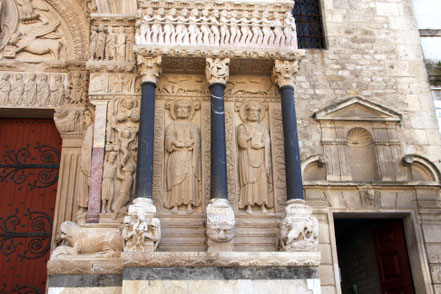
x,y
217,70
112,83
32,90
370,198
149,68
31,30
158,156
121,148
141,231
278,157
254,158
138,234
68,121
299,230
183,147
284,71
85,167
188,85
87,240
220,225
76,92
211,27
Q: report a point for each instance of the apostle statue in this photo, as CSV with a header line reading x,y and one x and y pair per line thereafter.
x,y
182,143
254,159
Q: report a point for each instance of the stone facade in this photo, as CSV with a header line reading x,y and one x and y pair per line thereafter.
x,y
368,138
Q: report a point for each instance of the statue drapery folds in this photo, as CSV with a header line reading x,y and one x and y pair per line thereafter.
x,y
254,159
182,144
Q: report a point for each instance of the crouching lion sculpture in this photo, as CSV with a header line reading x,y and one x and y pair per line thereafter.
x,y
87,240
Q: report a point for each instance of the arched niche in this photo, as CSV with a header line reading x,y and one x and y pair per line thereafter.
x,y
362,157
126,7
314,168
420,169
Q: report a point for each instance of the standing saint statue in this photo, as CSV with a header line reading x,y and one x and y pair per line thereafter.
x,y
182,143
254,159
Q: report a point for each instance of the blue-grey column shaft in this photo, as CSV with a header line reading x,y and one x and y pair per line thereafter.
x,y
218,149
144,169
294,186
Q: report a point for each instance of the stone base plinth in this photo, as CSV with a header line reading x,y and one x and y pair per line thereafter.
x,y
187,272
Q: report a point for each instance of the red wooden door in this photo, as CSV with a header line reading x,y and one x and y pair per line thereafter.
x,y
29,161
392,259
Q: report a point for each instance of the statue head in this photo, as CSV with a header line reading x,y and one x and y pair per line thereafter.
x,y
253,112
43,78
69,231
128,103
221,231
32,77
182,109
127,220
6,77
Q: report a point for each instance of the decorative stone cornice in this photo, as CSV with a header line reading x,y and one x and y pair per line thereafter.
x,y
217,70
149,68
241,29
284,71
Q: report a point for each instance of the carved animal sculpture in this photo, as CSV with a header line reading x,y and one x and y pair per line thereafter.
x,y
299,234
41,46
84,240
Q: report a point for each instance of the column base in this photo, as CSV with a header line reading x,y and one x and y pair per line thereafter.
x,y
141,230
220,226
299,229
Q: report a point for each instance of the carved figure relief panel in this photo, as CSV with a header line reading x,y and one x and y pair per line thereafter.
x,y
120,157
255,159
33,90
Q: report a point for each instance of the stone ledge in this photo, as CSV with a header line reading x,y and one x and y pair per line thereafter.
x,y
220,259
84,265
219,52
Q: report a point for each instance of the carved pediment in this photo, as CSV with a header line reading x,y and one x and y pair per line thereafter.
x,y
357,109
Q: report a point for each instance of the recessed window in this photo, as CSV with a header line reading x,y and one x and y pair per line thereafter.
x,y
309,24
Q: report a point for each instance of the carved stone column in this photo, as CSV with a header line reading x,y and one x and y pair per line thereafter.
x,y
96,174
299,229
141,213
70,126
220,216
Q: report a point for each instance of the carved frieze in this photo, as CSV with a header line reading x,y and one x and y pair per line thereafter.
x,y
111,48
111,84
32,90
222,30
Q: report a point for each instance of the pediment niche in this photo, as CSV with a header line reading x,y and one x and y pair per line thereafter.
x,y
357,109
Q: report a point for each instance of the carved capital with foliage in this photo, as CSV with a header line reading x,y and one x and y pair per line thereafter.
x,y
149,68
217,70
284,71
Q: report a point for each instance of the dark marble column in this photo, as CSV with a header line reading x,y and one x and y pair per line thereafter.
x,y
149,69
144,169
294,186
283,75
217,72
218,151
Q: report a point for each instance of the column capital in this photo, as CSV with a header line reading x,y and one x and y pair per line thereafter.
x,y
149,68
284,71
217,70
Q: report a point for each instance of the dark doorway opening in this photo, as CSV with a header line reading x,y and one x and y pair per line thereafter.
x,y
372,256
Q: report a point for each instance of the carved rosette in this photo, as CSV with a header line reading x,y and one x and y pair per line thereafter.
x,y
220,225
149,68
284,71
217,70
299,230
141,230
